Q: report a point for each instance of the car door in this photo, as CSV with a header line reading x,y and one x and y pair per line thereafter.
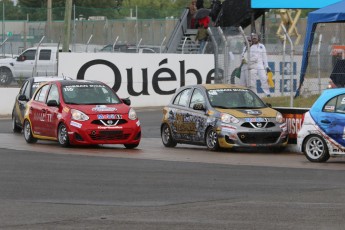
x,y
332,119
20,103
45,63
50,127
198,116
38,111
180,111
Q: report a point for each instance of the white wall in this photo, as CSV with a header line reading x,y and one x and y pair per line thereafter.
x,y
148,79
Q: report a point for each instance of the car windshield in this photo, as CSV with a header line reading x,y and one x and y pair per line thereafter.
x,y
234,98
89,94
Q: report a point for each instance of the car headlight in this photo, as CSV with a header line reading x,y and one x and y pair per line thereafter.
x,y
78,115
132,114
227,118
279,118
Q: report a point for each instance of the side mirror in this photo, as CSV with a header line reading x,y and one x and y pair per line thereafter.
x,y
269,105
127,101
22,97
52,103
199,106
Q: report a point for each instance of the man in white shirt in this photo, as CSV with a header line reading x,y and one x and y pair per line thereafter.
x,y
258,65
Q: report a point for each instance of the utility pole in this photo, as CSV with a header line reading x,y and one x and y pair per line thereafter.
x,y
49,20
67,27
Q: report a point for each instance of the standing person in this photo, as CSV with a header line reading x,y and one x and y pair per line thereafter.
x,y
201,37
244,78
258,65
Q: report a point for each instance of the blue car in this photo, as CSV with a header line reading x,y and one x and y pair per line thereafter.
x,y
322,134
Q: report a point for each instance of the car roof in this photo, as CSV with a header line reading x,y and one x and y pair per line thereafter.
x,y
326,95
78,82
222,86
47,78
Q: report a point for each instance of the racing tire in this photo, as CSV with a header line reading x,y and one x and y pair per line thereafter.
x,y
63,135
315,149
29,138
211,139
15,127
131,146
167,139
5,76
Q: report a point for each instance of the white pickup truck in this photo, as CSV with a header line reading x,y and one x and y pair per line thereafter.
x,y
29,64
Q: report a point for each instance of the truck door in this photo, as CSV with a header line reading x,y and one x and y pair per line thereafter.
x,y
24,64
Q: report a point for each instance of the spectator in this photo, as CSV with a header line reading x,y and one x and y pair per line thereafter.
x,y
191,14
201,37
258,65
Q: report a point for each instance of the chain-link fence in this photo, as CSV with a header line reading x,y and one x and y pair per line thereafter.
x,y
284,60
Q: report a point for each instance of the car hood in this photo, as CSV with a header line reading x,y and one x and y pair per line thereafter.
x,y
6,60
97,109
242,113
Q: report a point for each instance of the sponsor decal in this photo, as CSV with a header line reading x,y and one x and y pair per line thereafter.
x,y
43,117
228,128
162,74
256,119
76,124
65,109
250,111
109,116
138,123
294,123
103,108
109,127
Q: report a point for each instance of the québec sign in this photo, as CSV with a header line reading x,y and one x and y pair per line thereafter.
x,y
149,79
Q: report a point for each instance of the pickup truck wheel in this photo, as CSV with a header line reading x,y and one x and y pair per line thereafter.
x,y
5,76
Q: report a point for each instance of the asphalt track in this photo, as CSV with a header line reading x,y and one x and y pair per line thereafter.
x,y
45,186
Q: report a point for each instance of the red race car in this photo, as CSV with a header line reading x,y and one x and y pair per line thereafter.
x,y
80,112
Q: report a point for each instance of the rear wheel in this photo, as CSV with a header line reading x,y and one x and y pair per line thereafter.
x,y
167,139
15,127
63,135
211,139
5,76
315,149
28,133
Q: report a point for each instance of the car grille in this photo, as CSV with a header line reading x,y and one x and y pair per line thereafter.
x,y
254,125
258,137
109,122
109,135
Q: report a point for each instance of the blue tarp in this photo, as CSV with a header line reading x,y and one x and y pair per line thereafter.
x,y
331,13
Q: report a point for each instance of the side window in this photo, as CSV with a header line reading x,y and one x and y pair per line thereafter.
x,y
45,54
25,89
330,105
182,98
197,98
29,54
340,107
41,94
53,94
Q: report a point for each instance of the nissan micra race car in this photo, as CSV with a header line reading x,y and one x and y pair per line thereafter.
x,y
322,134
221,116
80,113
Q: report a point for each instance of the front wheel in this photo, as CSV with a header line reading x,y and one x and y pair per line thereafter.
x,y
5,76
63,135
211,139
28,133
315,149
167,139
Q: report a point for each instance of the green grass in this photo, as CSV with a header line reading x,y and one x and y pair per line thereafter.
x,y
301,102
